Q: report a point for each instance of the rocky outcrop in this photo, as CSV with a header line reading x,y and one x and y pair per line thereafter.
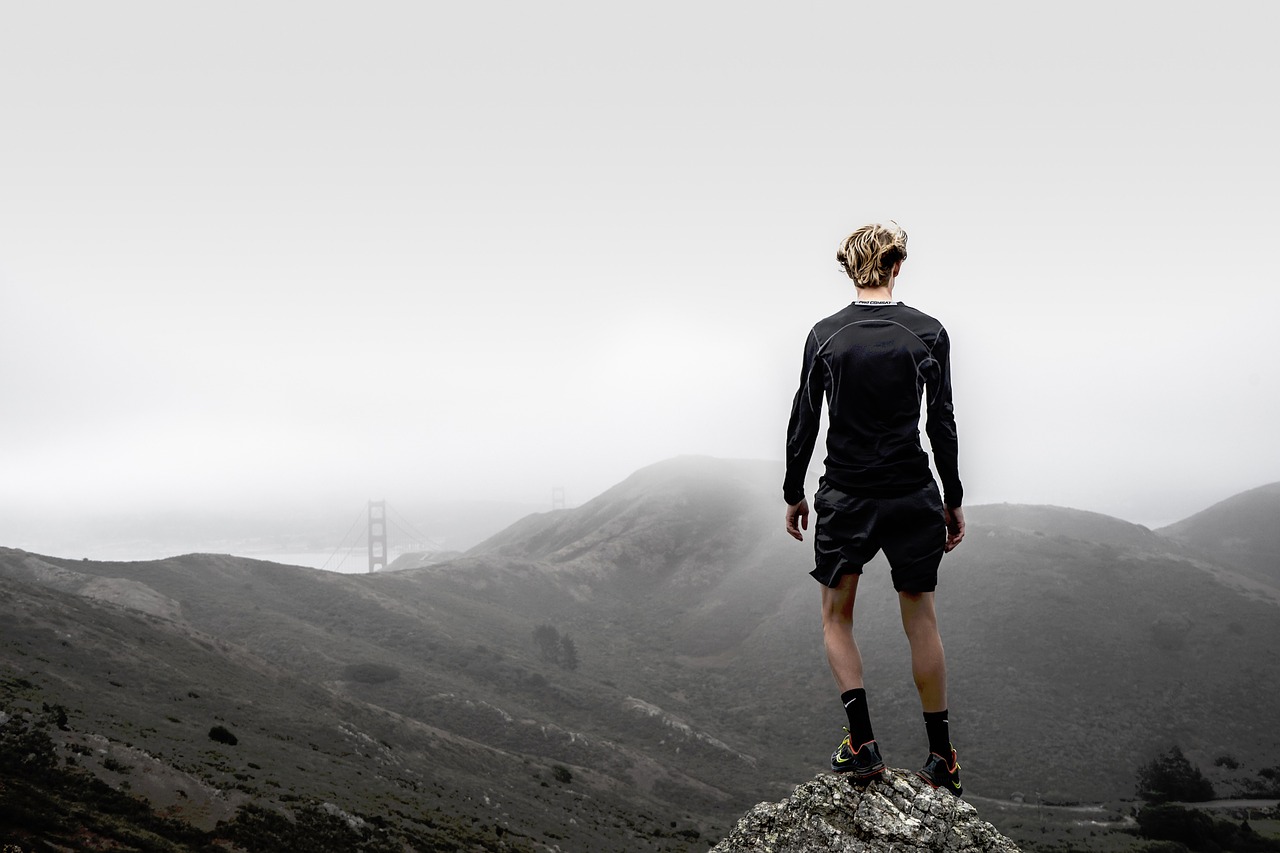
x,y
898,812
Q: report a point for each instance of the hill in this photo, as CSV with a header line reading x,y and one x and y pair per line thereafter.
x,y
1240,532
696,540
425,703
1064,627
338,697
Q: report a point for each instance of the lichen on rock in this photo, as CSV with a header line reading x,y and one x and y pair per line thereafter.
x,y
898,812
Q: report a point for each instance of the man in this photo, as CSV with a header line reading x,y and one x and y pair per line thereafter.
x,y
874,361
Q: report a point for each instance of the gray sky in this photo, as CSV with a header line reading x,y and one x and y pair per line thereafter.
x,y
280,253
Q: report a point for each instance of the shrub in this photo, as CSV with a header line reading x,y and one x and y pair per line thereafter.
x,y
1165,847
562,774
1266,785
110,763
221,735
59,715
1176,829
1172,823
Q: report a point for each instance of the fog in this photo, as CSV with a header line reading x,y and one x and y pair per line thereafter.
x,y
278,260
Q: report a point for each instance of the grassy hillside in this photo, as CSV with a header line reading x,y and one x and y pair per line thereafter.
x,y
1064,629
336,694
420,705
1240,532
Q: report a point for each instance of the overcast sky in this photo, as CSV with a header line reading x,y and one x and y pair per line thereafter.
x,y
279,253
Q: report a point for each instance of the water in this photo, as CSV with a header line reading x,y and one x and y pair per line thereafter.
x,y
355,562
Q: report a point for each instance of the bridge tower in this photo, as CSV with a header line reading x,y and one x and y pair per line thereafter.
x,y
377,535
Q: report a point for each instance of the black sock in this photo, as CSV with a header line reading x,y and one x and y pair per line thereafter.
x,y
935,726
855,707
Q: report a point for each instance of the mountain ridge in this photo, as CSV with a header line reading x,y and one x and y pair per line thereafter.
x,y
1239,531
701,689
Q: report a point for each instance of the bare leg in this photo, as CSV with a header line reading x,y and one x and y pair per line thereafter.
x,y
928,662
837,633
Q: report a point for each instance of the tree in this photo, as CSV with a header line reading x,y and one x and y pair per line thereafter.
x,y
568,652
547,639
1172,777
555,647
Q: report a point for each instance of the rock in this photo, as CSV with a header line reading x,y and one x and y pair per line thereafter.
x,y
898,812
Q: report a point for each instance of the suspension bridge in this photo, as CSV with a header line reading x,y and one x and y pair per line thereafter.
x,y
369,540
367,543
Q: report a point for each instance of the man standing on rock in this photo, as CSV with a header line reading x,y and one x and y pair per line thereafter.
x,y
874,361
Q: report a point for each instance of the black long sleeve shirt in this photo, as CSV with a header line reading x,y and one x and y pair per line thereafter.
x,y
874,362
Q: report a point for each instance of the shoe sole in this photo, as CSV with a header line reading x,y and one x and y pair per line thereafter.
x,y
866,774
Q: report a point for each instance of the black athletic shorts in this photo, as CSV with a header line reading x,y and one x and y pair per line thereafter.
x,y
849,530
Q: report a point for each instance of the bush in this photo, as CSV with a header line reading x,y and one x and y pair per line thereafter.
x,y
1172,823
221,735
1266,785
1176,829
59,715
562,774
110,763
1172,777
1165,847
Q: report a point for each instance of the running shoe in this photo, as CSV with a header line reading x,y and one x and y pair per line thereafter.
x,y
941,773
863,762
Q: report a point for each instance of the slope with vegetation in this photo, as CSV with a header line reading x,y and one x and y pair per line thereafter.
x,y
1240,532
630,674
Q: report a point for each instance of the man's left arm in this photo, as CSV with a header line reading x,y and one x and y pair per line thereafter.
x,y
940,424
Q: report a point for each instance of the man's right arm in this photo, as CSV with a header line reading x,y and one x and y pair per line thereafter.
x,y
802,430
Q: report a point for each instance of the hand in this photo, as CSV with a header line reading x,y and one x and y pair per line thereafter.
x,y
798,512
955,527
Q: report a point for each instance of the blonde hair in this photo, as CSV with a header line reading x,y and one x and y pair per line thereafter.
x,y
868,254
